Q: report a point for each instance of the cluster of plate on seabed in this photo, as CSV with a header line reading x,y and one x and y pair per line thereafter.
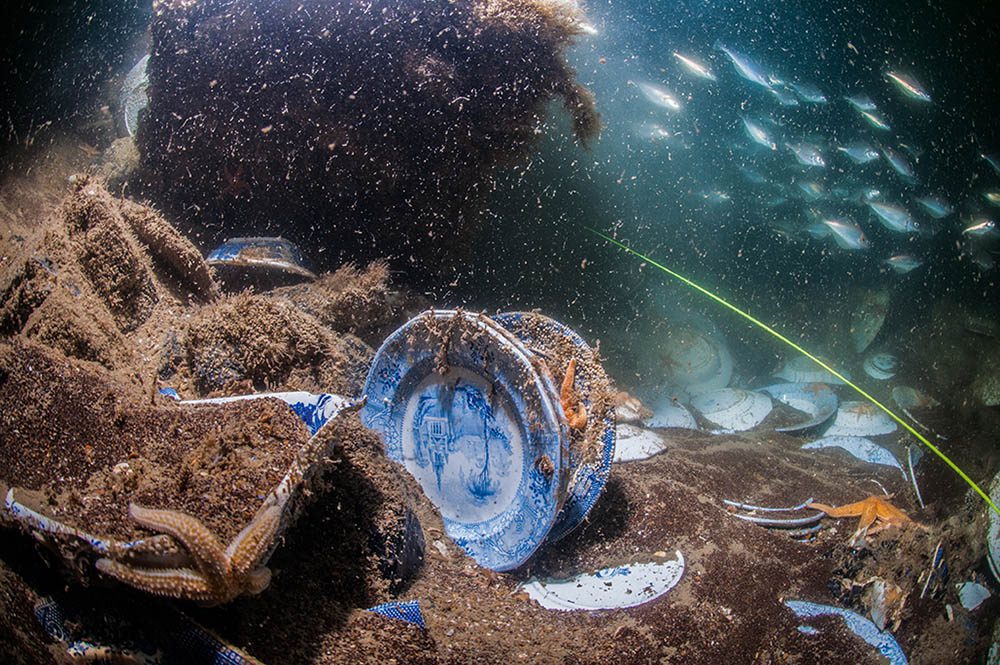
x,y
698,372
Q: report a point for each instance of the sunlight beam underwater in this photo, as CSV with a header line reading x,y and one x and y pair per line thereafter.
x,y
775,333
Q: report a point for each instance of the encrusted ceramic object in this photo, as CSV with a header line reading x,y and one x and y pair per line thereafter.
x,y
611,588
816,400
733,409
462,406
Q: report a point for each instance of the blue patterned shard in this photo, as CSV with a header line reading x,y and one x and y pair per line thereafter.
x,y
405,610
884,642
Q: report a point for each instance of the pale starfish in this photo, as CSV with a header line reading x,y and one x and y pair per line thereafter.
x,y
872,511
219,575
575,412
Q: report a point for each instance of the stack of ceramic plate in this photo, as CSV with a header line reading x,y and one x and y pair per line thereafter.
x,y
262,262
470,406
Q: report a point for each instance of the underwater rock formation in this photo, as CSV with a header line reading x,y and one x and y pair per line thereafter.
x,y
363,127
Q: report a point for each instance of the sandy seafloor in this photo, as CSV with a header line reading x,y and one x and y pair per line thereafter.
x,y
728,607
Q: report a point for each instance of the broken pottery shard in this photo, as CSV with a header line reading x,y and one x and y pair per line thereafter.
x,y
867,320
314,410
972,594
610,588
405,610
859,447
635,443
884,642
668,413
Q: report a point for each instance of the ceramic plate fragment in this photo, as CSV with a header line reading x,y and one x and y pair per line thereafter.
x,y
610,588
816,400
636,443
860,419
884,642
859,447
733,409
668,413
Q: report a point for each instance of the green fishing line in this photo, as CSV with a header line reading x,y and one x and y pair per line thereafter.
x,y
816,360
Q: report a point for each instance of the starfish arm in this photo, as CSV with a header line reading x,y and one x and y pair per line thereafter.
x,y
575,412
250,545
204,547
169,582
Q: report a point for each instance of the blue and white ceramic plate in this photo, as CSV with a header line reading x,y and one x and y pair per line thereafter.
x,y
276,256
590,467
461,406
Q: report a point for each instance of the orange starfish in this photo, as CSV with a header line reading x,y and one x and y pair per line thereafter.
x,y
575,412
872,511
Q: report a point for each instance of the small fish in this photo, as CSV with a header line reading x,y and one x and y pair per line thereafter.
x,y
784,97
894,217
819,230
807,154
659,96
746,67
809,93
993,196
695,67
910,87
861,102
587,28
716,196
813,191
903,263
899,164
876,120
936,206
980,227
859,152
758,134
752,176
993,161
847,234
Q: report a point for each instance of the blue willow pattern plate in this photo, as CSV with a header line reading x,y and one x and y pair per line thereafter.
x,y
460,405
589,472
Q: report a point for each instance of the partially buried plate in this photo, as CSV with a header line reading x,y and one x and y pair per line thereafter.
x,y
610,588
590,458
461,406
816,400
262,262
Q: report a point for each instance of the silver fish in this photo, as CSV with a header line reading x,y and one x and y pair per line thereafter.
x,y
746,67
809,93
994,161
909,85
903,263
847,234
861,102
813,191
993,196
659,96
695,67
894,217
758,134
859,152
876,120
784,97
899,164
936,206
807,154
980,227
